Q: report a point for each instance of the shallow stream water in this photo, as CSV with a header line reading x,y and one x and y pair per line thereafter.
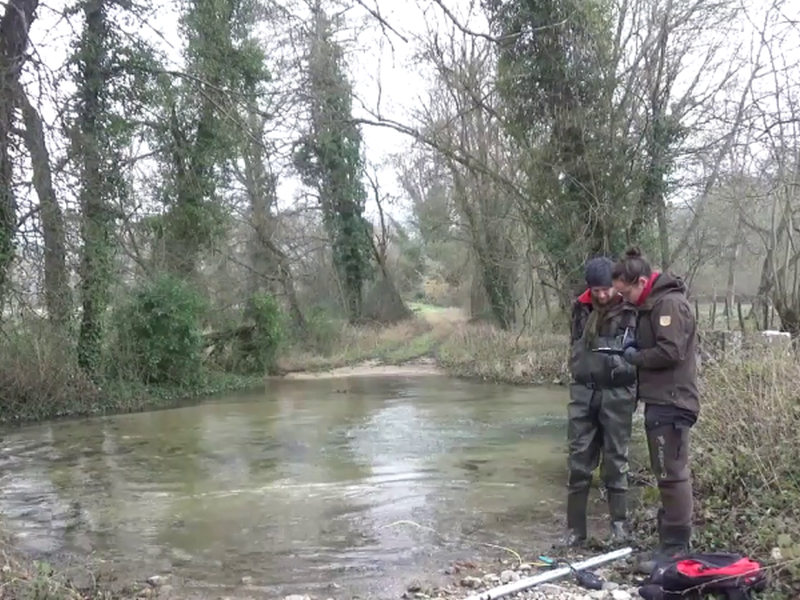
x,y
337,487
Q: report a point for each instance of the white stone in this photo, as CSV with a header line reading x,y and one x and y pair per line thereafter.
x,y
508,576
156,580
610,585
471,582
551,588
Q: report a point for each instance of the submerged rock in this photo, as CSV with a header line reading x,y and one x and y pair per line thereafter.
x,y
471,582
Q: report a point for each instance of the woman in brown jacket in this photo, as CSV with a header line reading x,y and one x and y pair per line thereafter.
x,y
663,353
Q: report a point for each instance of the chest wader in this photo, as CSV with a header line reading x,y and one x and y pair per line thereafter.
x,y
600,422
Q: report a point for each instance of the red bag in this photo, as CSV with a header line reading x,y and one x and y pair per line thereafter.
x,y
730,576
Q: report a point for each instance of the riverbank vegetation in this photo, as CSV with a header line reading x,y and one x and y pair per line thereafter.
x,y
207,192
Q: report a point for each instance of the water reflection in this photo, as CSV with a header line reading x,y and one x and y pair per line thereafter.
x,y
299,486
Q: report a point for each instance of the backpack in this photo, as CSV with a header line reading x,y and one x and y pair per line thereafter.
x,y
694,576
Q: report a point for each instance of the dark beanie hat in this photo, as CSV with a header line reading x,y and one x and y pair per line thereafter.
x,y
598,272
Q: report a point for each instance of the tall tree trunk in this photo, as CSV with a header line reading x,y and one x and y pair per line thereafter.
x,y
266,258
14,28
260,187
96,225
58,296
733,256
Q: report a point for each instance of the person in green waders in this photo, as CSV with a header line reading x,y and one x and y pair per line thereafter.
x,y
602,402
665,359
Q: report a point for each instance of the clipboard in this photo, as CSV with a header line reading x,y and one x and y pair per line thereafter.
x,y
610,351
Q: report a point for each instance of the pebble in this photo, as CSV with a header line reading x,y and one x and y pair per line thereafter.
x,y
297,597
508,576
155,581
471,582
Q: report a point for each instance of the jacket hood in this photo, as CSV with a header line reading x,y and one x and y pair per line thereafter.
x,y
663,284
585,299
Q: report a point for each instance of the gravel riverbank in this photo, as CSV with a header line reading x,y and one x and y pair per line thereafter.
x,y
469,579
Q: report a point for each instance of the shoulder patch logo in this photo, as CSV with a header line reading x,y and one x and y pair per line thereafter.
x,y
665,320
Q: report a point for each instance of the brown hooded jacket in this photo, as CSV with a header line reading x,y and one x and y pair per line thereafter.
x,y
666,334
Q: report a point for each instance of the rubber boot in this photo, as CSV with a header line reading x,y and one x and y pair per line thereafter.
x,y
675,541
646,560
618,511
577,505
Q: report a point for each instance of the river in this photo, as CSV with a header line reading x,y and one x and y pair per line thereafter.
x,y
334,488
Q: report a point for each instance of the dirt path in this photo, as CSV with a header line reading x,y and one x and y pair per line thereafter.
x,y
417,368
441,324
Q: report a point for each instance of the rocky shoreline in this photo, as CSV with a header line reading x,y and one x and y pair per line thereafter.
x,y
469,579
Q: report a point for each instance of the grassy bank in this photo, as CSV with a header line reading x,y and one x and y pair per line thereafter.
x,y
461,349
40,382
746,468
36,392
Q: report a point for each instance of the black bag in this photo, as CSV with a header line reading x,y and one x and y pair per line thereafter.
x,y
694,576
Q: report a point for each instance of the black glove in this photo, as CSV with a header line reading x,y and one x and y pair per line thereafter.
x,y
630,354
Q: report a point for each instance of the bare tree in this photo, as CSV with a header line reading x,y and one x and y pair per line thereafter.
x,y
461,119
14,27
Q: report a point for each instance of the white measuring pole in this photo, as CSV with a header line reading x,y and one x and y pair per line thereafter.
x,y
529,582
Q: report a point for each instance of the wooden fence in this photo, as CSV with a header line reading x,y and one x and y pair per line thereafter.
x,y
713,313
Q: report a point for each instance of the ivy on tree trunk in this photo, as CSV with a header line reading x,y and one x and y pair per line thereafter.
x,y
329,161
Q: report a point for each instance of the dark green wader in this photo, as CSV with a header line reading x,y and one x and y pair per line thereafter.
x,y
600,416
599,428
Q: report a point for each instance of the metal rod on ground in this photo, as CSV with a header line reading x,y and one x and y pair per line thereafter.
x,y
529,582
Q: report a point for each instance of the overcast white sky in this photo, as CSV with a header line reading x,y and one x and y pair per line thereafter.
x,y
380,69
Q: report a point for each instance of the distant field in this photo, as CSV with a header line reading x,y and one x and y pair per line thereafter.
x,y
705,309
422,308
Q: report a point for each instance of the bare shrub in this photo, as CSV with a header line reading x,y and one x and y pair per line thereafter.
x,y
39,377
482,351
746,450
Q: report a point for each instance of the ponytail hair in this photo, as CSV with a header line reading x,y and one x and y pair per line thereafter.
x,y
631,267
